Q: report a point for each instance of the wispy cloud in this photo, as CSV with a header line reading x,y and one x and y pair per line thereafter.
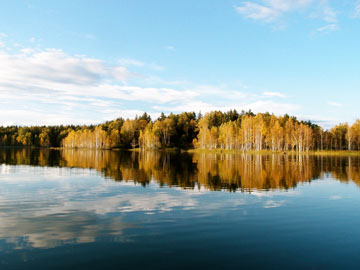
x,y
357,9
2,37
90,36
211,97
326,122
328,28
329,15
156,67
335,104
53,65
255,106
131,62
274,94
258,12
170,48
269,11
52,87
136,63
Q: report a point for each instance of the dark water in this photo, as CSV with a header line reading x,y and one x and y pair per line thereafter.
x,y
125,210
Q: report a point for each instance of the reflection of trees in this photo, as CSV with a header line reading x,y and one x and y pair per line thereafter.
x,y
165,168
210,171
28,156
255,171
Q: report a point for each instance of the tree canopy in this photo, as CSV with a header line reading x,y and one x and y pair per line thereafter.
x,y
214,130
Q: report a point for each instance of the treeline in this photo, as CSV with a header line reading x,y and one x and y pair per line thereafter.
x,y
215,130
269,132
39,136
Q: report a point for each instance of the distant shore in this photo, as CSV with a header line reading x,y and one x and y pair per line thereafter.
x,y
266,152
205,151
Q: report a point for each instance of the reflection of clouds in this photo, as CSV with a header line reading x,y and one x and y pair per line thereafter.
x,y
198,190
335,197
150,202
78,221
73,208
51,173
56,230
57,206
270,194
5,169
273,204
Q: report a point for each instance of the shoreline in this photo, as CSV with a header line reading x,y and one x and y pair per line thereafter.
x,y
268,152
206,151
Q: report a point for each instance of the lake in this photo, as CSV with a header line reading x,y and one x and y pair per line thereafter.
x,y
85,209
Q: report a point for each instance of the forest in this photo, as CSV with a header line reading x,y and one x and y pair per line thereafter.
x,y
230,130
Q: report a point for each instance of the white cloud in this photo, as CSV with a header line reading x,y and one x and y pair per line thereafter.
x,y
325,122
170,48
208,98
274,94
189,106
258,12
89,36
131,62
272,10
328,28
54,66
260,106
136,93
28,117
114,113
51,87
329,15
156,80
2,37
334,104
357,9
136,63
52,71
157,67
324,11
27,50
272,107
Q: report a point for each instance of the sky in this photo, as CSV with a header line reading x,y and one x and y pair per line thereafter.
x,y
85,62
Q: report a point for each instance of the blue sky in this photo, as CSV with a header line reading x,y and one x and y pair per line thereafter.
x,y
89,61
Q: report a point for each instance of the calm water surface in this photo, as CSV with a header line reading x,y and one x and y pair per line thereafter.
x,y
77,209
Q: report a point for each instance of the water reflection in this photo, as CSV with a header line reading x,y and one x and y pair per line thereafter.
x,y
45,207
49,231
60,211
210,171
